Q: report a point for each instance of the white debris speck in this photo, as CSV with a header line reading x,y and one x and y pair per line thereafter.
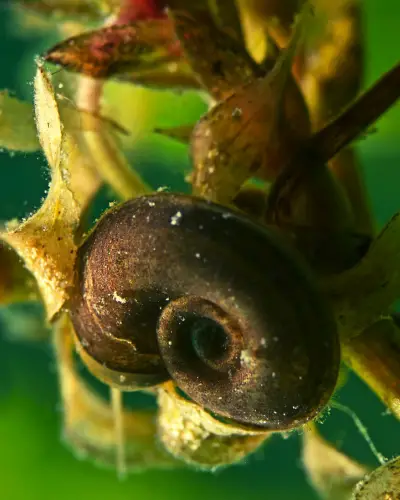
x,y
237,113
263,342
176,219
122,378
170,342
245,357
118,298
151,204
197,255
273,374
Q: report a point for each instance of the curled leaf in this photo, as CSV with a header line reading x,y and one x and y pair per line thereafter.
x,y
250,133
118,49
17,126
382,484
45,241
331,473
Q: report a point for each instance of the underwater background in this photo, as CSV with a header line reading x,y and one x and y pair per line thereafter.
x,y
34,462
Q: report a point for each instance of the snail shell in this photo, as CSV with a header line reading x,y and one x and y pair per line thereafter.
x,y
172,286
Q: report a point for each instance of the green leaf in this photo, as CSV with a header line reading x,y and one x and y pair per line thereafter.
x,y
17,125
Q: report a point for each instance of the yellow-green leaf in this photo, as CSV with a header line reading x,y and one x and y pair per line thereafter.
x,y
45,241
191,434
48,120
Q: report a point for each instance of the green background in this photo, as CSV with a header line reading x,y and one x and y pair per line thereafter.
x,y
34,463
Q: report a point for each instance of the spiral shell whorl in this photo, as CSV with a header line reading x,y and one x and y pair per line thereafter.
x,y
173,286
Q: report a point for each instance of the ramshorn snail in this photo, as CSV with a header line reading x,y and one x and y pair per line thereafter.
x,y
174,287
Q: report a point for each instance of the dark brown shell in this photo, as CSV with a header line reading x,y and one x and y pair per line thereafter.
x,y
173,286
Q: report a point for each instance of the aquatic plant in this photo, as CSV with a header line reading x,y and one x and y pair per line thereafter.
x,y
233,305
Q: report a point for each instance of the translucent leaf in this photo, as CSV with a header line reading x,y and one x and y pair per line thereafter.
x,y
118,49
17,126
89,422
45,241
193,435
382,484
331,473
48,120
251,133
